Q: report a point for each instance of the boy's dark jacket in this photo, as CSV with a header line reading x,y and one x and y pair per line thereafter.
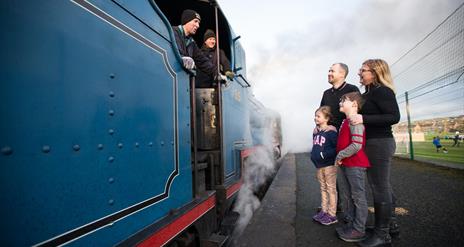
x,y
324,147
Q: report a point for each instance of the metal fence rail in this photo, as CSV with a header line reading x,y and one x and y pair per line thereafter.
x,y
430,80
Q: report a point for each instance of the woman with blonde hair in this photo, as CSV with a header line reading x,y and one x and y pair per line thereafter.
x,y
379,113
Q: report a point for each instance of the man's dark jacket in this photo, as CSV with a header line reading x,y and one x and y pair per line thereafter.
x,y
204,80
332,97
188,48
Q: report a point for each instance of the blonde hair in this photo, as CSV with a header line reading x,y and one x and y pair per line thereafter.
x,y
325,110
381,72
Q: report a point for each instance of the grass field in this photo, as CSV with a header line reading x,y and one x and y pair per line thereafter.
x,y
427,150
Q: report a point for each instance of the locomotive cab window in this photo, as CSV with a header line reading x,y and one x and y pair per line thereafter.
x,y
173,12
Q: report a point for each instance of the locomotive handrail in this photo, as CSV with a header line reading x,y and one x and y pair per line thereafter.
x,y
237,69
245,80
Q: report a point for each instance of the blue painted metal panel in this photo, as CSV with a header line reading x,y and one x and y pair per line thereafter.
x,y
236,131
144,11
236,127
73,82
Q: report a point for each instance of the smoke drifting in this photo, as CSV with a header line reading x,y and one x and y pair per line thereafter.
x,y
259,167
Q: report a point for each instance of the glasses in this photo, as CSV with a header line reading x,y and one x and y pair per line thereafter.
x,y
364,70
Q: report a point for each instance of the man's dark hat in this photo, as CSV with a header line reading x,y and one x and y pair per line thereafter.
x,y
208,34
189,15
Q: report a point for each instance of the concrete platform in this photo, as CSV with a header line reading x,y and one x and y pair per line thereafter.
x,y
423,191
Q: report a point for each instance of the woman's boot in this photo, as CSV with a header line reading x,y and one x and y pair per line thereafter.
x,y
381,235
394,226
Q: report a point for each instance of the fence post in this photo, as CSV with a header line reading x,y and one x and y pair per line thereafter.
x,y
411,146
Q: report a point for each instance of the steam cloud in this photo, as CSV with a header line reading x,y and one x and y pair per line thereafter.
x,y
258,168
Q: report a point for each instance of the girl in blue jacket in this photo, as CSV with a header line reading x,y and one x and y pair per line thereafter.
x,y
323,156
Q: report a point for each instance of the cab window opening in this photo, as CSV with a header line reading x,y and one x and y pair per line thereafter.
x,y
173,11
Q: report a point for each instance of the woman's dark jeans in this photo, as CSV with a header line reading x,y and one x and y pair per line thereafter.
x,y
380,152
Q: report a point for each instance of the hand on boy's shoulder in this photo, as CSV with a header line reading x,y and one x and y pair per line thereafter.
x,y
356,119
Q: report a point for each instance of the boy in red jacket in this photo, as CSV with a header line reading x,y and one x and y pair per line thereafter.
x,y
353,163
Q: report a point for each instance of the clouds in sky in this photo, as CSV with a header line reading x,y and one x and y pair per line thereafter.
x,y
290,46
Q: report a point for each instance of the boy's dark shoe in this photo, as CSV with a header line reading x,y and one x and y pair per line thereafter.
x,y
352,235
343,228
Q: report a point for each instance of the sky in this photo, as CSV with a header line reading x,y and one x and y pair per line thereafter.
x,y
290,46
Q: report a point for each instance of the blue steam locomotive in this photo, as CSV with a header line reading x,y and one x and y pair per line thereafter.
x,y
104,139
